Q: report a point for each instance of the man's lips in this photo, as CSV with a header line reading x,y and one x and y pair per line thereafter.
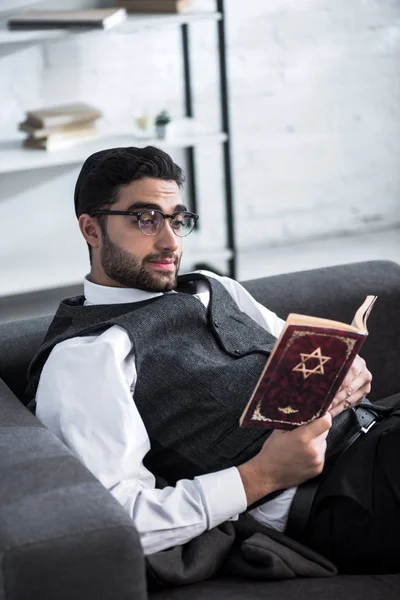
x,y
163,263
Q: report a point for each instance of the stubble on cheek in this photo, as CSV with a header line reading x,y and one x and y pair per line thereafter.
x,y
128,270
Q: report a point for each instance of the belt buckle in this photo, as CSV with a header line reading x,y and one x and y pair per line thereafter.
x,y
368,427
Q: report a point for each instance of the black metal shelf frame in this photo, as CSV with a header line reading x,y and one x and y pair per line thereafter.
x,y
225,126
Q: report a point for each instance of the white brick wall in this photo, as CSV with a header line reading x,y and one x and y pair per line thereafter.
x,y
315,115
315,92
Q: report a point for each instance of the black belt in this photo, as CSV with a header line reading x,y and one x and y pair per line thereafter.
x,y
303,500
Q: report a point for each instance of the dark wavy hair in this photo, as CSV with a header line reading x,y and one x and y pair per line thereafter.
x,y
105,172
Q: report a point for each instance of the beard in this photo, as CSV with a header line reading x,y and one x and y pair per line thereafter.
x,y
126,269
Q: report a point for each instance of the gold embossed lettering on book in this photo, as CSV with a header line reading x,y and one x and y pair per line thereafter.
x,y
305,370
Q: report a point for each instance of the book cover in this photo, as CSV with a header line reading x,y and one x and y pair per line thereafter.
x,y
305,370
65,114
54,19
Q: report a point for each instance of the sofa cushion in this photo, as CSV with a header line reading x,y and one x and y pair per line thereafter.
x,y
356,587
19,341
62,534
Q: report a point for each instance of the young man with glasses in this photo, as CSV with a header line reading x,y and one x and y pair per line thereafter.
x,y
145,376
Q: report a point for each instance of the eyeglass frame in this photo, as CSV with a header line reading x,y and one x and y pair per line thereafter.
x,y
138,213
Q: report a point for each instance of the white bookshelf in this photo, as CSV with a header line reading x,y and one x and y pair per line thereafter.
x,y
134,23
14,157
57,257
139,22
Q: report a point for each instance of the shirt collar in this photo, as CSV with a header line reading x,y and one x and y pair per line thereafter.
x,y
103,294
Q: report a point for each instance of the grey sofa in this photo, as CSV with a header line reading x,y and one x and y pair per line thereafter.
x,y
63,536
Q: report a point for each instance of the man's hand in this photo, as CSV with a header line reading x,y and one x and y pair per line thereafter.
x,y
286,459
356,385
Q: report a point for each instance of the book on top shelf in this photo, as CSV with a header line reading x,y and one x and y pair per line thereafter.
x,y
62,115
98,18
155,6
305,370
43,132
60,141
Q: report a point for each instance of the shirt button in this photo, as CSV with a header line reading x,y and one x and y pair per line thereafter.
x,y
236,351
216,323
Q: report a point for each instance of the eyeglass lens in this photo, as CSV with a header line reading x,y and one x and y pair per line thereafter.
x,y
151,222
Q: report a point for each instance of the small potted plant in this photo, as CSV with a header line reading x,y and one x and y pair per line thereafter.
x,y
161,122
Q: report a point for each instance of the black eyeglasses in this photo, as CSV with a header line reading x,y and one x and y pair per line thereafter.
x,y
151,221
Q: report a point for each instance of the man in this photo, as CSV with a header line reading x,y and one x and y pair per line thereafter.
x,y
145,378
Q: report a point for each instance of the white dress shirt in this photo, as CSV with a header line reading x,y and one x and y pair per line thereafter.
x,y
86,397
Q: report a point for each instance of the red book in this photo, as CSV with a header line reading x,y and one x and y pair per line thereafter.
x,y
305,370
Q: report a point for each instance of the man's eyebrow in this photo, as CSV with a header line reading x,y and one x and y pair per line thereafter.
x,y
151,205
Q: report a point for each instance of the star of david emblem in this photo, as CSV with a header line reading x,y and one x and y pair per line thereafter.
x,y
318,369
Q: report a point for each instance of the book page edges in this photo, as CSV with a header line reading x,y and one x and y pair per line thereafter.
x,y
358,325
362,314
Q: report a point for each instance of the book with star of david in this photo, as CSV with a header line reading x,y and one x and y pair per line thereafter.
x,y
305,369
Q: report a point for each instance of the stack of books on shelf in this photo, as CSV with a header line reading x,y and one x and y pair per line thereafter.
x,y
60,127
155,6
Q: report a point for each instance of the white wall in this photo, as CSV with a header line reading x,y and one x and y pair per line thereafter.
x,y
315,114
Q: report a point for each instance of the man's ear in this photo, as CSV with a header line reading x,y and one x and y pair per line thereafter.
x,y
90,230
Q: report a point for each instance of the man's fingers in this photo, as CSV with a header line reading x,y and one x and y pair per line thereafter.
x,y
351,401
362,382
357,368
356,389
337,410
319,426
340,397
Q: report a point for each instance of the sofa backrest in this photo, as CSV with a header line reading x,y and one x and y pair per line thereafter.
x,y
332,292
19,341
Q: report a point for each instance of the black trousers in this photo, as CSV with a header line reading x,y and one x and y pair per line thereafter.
x,y
355,519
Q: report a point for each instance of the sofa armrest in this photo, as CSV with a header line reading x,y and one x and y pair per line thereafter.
x,y
62,535
336,293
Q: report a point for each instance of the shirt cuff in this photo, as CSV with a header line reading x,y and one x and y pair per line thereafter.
x,y
223,494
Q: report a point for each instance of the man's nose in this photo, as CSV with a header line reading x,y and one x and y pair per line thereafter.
x,y
166,238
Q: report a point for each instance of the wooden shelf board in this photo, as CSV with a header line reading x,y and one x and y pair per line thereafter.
x,y
13,157
133,23
146,21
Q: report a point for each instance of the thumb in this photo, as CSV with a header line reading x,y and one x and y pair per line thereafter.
x,y
320,425
277,432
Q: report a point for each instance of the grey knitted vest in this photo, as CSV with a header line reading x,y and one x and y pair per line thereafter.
x,y
196,370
